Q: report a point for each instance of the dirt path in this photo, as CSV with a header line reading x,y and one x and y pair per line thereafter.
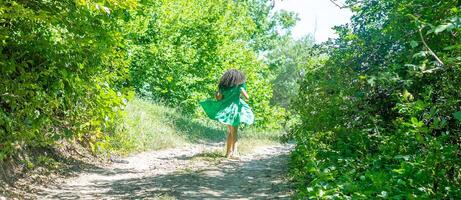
x,y
197,172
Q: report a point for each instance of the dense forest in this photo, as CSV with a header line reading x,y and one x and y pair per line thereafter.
x,y
374,113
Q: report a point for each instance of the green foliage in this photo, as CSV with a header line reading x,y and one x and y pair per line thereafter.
x,y
270,26
287,62
146,126
185,46
380,117
62,70
66,67
152,126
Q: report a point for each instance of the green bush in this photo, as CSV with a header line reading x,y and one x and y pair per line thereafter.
x,y
63,68
380,118
185,46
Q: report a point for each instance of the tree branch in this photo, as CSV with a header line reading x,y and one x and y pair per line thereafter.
x,y
428,48
337,4
342,6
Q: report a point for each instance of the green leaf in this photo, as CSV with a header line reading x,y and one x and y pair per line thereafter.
x,y
56,137
457,116
442,28
414,44
419,138
68,133
452,47
420,54
371,80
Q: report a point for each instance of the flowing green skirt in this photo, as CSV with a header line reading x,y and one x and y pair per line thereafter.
x,y
230,113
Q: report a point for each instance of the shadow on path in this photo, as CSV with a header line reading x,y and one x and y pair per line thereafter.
x,y
257,177
197,132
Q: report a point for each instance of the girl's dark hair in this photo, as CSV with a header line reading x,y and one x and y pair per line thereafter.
x,y
231,78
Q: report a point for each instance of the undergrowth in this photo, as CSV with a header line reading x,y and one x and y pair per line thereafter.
x,y
152,126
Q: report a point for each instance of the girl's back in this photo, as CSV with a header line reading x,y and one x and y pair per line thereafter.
x,y
229,108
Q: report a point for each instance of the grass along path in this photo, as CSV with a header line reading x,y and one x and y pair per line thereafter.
x,y
177,158
152,126
195,172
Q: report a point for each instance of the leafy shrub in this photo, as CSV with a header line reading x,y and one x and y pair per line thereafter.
x,y
63,68
380,117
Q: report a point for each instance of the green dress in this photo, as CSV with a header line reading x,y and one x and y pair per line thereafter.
x,y
231,109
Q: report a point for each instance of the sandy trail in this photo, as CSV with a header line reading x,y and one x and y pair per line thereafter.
x,y
182,173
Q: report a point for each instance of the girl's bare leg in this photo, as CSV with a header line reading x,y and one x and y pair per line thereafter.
x,y
230,141
234,146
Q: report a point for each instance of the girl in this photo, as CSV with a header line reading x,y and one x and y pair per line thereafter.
x,y
229,108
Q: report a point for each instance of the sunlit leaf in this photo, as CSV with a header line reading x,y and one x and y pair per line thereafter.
x,y
442,28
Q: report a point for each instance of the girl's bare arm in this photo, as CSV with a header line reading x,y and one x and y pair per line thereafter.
x,y
245,94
